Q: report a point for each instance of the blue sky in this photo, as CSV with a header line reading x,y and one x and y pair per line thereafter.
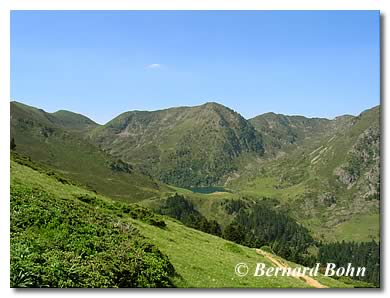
x,y
102,63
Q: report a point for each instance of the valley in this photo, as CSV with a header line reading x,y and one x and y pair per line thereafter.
x,y
211,266
209,174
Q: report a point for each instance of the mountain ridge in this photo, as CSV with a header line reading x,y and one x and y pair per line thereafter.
x,y
294,185
177,139
203,104
44,138
164,143
325,173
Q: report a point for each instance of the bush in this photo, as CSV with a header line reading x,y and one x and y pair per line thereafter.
x,y
62,242
86,198
145,215
120,166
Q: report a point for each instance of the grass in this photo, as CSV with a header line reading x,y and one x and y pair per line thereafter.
x,y
88,166
206,261
364,227
303,177
208,204
63,236
199,259
268,187
42,137
293,179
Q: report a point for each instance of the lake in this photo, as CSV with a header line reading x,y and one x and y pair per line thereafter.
x,y
209,189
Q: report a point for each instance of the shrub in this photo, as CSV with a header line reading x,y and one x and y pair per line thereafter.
x,y
62,242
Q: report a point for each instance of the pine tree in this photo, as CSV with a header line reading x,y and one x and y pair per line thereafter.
x,y
13,144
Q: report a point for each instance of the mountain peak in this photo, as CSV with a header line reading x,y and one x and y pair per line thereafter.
x,y
212,104
73,120
215,106
184,146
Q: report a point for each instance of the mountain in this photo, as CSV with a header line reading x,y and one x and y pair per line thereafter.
x,y
56,140
296,188
62,118
73,121
324,173
281,132
328,173
185,146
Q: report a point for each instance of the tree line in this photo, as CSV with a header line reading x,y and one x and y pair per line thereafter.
x,y
178,207
360,254
258,224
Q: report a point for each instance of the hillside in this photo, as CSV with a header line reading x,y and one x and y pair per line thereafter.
x,y
281,132
62,118
56,140
186,146
300,189
74,121
65,236
328,181
324,173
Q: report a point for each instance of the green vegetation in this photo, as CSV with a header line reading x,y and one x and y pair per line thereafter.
x,y
178,207
261,225
13,145
206,261
327,178
187,147
294,186
363,254
73,121
282,132
359,228
77,241
45,138
65,236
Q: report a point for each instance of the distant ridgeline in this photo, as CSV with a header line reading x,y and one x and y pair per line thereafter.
x,y
206,145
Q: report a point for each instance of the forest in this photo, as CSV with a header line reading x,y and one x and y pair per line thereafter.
x,y
178,207
363,254
261,225
258,224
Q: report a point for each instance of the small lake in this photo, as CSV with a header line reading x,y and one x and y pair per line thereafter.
x,y
209,189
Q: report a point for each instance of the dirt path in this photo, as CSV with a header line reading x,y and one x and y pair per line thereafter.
x,y
309,280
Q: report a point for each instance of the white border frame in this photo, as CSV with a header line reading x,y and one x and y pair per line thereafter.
x,y
7,5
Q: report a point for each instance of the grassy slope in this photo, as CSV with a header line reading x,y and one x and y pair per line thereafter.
x,y
299,179
41,136
185,146
204,260
353,218
74,121
358,228
64,236
200,260
285,133
207,204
